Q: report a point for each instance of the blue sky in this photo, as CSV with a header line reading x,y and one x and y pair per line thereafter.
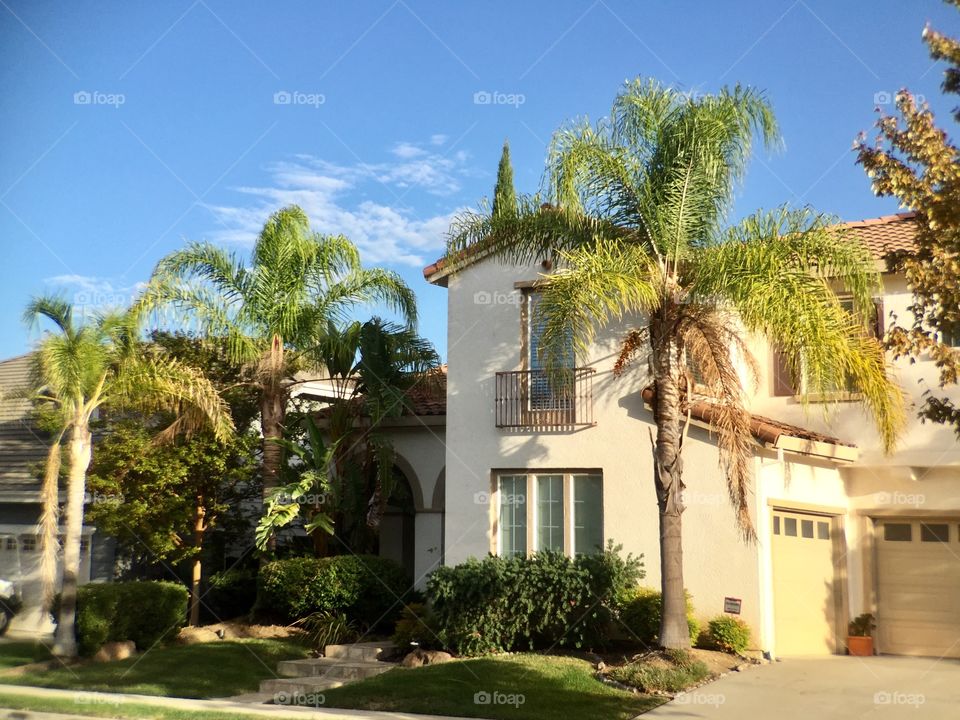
x,y
130,127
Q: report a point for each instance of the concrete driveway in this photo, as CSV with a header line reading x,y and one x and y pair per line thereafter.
x,y
828,688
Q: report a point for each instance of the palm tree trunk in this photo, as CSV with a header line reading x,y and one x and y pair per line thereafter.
x,y
668,468
272,413
65,640
199,528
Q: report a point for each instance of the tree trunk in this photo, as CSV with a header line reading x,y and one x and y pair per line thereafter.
x,y
272,412
65,639
199,527
668,470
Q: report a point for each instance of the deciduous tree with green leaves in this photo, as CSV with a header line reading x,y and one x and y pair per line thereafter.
x,y
80,368
636,229
160,500
273,311
914,161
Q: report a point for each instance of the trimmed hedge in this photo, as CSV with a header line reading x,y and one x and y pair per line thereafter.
x,y
145,612
640,616
500,604
726,633
366,588
230,594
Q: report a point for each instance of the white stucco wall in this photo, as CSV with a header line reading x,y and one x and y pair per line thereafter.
x,y
484,338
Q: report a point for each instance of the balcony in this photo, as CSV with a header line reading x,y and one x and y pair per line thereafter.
x,y
526,399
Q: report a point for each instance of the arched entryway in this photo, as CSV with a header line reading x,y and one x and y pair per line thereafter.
x,y
397,537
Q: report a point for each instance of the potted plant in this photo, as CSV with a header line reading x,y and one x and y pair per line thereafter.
x,y
860,635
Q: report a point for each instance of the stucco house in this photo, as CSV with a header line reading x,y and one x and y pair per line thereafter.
x,y
23,449
842,528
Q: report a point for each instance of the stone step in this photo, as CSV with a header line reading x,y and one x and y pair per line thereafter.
x,y
366,651
332,668
284,691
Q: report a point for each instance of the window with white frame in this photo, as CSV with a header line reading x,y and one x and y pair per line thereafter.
x,y
550,511
543,395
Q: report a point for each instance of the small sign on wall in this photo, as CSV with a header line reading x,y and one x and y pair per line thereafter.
x,y
732,605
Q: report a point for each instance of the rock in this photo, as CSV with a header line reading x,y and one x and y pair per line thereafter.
x,y
119,650
421,657
195,635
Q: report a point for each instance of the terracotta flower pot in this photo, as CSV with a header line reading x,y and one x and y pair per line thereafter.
x,y
860,646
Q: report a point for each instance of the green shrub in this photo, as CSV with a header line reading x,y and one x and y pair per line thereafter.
x,y
327,628
417,624
145,612
640,616
501,604
728,634
230,594
670,671
366,588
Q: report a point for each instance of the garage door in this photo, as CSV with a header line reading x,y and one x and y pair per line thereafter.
x,y
805,592
918,587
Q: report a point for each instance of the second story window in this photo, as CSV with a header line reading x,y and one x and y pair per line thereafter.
x,y
783,382
544,395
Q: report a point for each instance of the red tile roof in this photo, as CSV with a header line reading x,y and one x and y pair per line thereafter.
x,y
887,233
764,429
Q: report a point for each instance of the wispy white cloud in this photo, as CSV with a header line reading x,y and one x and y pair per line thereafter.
x,y
333,196
89,293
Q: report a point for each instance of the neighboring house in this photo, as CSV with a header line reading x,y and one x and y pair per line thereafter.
x,y
23,450
842,528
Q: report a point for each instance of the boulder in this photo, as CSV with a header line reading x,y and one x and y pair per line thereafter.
x,y
120,650
420,657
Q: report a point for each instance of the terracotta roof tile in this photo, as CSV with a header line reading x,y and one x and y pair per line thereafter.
x,y
886,234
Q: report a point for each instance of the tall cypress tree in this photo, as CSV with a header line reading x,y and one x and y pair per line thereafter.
x,y
504,194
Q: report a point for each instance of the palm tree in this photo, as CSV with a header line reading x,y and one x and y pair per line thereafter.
x,y
637,229
79,369
348,468
273,312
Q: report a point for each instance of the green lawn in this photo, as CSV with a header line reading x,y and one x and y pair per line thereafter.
x,y
107,710
206,670
21,652
518,687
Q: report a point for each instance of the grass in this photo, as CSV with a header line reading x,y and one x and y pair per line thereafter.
x,y
519,687
21,652
668,671
106,710
206,670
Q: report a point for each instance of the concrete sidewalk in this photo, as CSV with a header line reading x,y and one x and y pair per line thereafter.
x,y
827,688
279,712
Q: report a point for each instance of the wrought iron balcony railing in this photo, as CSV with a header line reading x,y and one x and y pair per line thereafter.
x,y
528,399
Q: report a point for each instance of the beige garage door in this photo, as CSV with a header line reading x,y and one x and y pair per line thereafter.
x,y
918,587
805,592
